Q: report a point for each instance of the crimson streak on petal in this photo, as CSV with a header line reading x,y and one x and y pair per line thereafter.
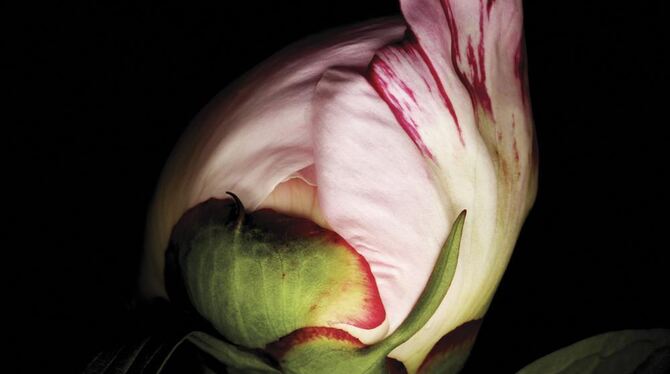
x,y
413,41
388,75
381,76
476,84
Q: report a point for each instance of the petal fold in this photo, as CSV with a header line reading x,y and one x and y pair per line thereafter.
x,y
457,86
254,135
375,189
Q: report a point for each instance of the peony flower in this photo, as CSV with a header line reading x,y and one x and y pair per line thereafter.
x,y
365,143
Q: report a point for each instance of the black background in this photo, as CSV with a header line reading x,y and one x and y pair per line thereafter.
x,y
101,92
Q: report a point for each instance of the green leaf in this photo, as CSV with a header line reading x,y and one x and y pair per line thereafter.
x,y
144,356
328,350
154,355
233,357
620,352
435,290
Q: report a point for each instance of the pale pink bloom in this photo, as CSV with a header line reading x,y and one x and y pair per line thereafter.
x,y
383,132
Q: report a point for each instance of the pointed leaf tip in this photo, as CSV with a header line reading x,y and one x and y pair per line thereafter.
x,y
434,292
239,210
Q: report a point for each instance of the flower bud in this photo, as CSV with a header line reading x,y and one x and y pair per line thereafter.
x,y
355,153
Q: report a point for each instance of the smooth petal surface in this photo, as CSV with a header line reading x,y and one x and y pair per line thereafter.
x,y
456,84
254,136
375,189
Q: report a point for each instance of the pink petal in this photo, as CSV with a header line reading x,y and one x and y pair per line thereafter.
x,y
254,135
475,49
457,87
375,188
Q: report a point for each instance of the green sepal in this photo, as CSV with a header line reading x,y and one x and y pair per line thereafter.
x,y
620,352
336,357
257,286
259,277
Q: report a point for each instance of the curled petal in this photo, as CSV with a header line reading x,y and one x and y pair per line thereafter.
x,y
457,87
255,135
375,189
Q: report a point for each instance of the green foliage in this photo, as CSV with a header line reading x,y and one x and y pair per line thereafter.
x,y
340,358
435,290
300,262
233,357
255,288
620,352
